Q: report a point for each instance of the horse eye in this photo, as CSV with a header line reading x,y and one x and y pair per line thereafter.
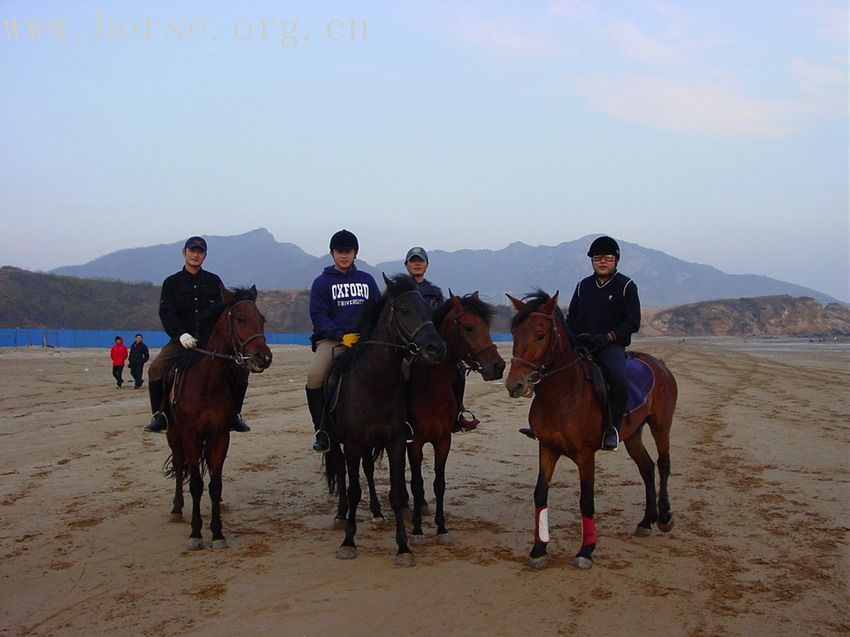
x,y
469,329
539,337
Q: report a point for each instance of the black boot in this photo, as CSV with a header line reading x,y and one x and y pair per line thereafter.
x,y
315,402
237,382
611,435
159,423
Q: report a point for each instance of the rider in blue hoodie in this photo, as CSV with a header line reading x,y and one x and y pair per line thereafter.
x,y
336,299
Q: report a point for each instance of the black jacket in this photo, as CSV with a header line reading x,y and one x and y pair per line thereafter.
x,y
139,354
611,307
187,303
432,293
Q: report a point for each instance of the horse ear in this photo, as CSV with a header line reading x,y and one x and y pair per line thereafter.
x,y
518,305
226,295
253,291
550,305
451,294
475,295
456,302
386,280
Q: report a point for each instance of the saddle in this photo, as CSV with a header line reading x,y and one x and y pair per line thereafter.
x,y
639,383
172,382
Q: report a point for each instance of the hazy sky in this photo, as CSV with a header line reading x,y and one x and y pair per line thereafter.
x,y
714,131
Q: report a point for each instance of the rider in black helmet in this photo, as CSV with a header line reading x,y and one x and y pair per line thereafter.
x,y
604,313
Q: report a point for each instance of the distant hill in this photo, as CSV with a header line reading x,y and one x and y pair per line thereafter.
x,y
30,299
762,316
257,258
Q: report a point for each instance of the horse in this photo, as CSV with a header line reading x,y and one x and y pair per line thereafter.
x,y
566,417
367,410
464,324
200,408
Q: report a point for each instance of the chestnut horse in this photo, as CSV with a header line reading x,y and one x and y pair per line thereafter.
x,y
200,409
368,416
464,323
566,418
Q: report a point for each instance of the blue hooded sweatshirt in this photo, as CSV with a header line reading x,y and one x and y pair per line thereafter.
x,y
336,299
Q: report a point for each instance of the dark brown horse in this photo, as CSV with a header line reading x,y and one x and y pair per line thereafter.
x,y
200,408
368,416
464,323
566,417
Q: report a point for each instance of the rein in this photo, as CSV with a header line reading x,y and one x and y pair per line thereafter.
x,y
472,354
239,357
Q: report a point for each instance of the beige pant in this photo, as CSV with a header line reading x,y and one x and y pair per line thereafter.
x,y
320,364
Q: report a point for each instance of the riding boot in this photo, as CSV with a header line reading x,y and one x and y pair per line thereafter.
x,y
237,381
316,403
611,436
159,423
466,420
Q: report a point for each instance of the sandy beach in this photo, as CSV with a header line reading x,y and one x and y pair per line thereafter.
x,y
759,493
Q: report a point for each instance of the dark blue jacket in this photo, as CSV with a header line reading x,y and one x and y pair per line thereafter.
x,y
611,307
336,299
432,293
188,301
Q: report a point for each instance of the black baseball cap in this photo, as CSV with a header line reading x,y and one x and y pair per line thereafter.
x,y
195,242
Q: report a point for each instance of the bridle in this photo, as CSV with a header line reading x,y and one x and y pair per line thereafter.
x,y
470,359
539,372
236,344
405,335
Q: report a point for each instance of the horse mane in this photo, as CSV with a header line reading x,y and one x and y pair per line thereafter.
x,y
396,285
215,312
533,302
470,302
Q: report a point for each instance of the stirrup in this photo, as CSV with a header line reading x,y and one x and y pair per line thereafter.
x,y
409,434
158,424
464,423
610,439
321,442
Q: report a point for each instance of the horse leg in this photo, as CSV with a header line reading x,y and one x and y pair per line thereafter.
x,y
217,452
335,456
548,458
638,453
441,455
586,462
348,550
661,434
196,488
395,450
378,518
178,465
417,488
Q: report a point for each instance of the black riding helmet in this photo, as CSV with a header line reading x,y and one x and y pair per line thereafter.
x,y
344,240
604,245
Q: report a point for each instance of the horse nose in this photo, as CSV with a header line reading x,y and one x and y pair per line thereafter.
x,y
436,350
263,359
500,369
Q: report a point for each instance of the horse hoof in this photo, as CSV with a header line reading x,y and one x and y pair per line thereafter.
x,y
416,539
537,563
346,552
379,522
339,523
582,562
665,527
444,539
195,544
175,517
404,559
642,531
219,544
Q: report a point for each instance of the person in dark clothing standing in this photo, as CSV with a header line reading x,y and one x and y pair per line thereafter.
x,y
187,307
416,262
118,354
603,314
139,355
336,299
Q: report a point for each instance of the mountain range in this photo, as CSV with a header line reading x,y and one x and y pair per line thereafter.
x,y
257,258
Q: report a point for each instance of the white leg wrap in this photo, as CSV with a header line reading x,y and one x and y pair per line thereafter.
x,y
543,524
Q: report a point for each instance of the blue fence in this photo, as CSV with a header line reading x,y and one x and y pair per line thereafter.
x,y
32,337
37,337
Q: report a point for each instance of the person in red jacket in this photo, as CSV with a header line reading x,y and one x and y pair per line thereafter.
x,y
118,354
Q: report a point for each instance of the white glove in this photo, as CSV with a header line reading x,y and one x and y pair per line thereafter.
x,y
188,341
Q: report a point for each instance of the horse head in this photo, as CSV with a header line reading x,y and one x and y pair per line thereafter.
x,y
464,323
245,328
539,337
410,319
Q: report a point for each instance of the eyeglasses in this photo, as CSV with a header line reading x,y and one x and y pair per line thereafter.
x,y
601,258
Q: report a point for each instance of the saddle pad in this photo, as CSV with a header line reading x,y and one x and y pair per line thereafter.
x,y
639,382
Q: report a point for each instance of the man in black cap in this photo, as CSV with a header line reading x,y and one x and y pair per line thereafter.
x,y
416,262
186,309
604,313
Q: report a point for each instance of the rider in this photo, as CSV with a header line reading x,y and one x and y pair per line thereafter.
x,y
416,263
336,299
603,314
185,309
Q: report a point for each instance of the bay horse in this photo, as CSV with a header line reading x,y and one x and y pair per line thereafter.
x,y
464,324
566,417
200,408
368,416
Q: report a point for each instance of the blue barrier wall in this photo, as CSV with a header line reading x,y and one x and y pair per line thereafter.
x,y
37,337
32,337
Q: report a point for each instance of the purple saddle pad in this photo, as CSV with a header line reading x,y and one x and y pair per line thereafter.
x,y
639,382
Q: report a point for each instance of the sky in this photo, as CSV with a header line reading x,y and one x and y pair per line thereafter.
x,y
716,132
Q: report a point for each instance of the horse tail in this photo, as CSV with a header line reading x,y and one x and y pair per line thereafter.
x,y
168,467
333,460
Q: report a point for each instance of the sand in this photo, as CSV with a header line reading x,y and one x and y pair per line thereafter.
x,y
759,491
